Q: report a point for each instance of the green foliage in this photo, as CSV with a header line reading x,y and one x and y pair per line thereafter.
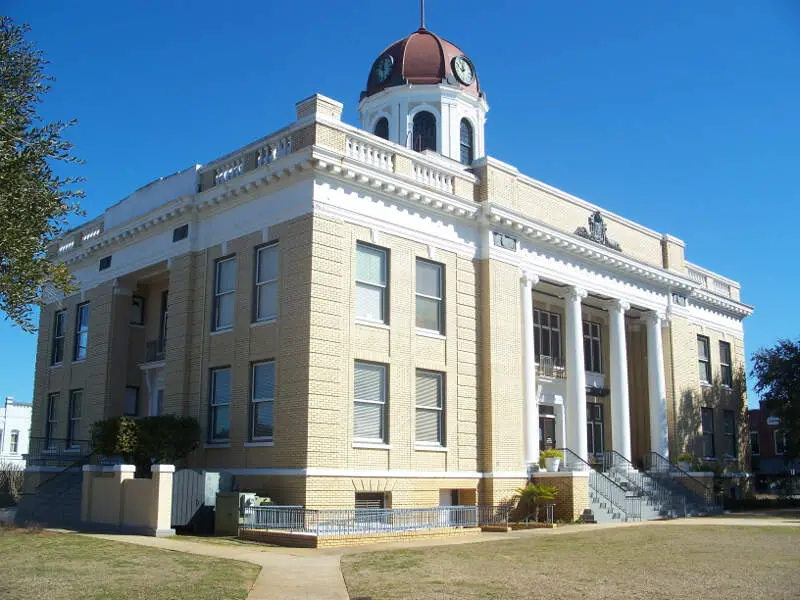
x,y
34,201
551,453
777,373
150,440
531,497
685,457
10,483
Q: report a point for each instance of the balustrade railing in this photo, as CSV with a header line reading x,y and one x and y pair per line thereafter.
x,y
369,154
551,367
229,170
708,281
642,483
154,351
691,485
432,177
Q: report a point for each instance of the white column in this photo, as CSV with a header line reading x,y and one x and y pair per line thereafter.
x,y
620,401
531,408
657,386
576,374
561,425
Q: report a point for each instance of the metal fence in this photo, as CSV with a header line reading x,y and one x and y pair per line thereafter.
x,y
57,452
551,367
366,521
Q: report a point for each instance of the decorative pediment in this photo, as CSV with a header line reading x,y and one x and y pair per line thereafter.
x,y
596,232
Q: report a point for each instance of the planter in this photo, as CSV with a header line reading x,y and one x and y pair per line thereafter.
x,y
552,464
685,466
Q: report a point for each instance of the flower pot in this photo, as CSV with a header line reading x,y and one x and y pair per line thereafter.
x,y
552,464
685,466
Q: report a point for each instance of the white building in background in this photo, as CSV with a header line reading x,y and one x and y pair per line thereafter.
x,y
15,431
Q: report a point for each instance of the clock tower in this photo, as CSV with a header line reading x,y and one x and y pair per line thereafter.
x,y
423,93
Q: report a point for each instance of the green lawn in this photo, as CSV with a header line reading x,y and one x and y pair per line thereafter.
x,y
647,562
67,566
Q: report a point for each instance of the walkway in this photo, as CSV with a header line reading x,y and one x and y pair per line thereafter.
x,y
308,574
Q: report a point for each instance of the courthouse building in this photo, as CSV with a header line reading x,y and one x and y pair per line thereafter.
x,y
386,314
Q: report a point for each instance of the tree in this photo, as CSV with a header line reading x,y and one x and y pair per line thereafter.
x,y
34,201
531,497
777,373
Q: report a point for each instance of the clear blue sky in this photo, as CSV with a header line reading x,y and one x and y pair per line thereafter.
x,y
681,115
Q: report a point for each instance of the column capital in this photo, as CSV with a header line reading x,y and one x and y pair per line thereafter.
x,y
618,305
528,278
573,292
655,317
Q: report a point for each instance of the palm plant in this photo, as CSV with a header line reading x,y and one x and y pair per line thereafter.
x,y
531,497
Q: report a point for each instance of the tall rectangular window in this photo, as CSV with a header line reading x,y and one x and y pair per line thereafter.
x,y
13,442
781,441
755,443
547,336
51,423
220,405
594,428
266,300
729,433
707,418
725,369
703,359
59,333
137,310
369,406
371,283
262,401
81,331
430,295
75,406
131,401
592,347
224,293
430,408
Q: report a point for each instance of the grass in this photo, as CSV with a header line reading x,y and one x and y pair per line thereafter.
x,y
38,564
647,562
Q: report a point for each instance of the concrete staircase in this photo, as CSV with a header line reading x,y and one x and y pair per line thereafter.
x,y
55,503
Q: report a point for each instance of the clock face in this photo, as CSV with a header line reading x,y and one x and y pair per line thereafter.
x,y
383,68
464,70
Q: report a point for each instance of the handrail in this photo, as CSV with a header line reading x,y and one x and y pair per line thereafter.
x,y
643,482
661,464
69,454
603,485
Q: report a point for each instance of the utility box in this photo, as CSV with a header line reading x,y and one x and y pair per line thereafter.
x,y
226,517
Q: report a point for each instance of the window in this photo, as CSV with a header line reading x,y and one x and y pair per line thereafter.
x,y
370,500
262,400
105,263
592,348
430,408
703,359
51,423
75,402
424,132
594,428
81,331
224,292
466,142
131,401
382,128
266,282
137,310
725,370
59,333
781,442
707,417
547,337
13,442
501,240
370,402
430,295
180,233
729,433
371,283
220,404
755,443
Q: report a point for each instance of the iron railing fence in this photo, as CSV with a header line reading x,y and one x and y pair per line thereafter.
x,y
691,488
366,521
641,482
551,367
56,452
630,507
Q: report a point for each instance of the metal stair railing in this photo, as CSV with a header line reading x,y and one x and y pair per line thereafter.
x,y
703,493
630,508
642,482
52,452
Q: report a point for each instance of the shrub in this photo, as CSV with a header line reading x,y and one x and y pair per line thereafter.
x,y
531,497
551,453
10,483
147,441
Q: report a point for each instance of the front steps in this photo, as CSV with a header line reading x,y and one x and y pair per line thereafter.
x,y
55,503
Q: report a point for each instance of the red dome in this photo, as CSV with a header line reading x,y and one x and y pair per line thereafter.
x,y
421,58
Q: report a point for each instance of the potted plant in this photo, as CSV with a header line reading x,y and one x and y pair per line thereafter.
x,y
685,461
551,459
531,497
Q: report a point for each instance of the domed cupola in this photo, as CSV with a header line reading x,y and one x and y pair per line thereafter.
x,y
423,92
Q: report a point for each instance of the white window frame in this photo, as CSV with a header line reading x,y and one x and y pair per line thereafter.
x,y
725,367
384,404
58,340
758,443
383,288
254,402
705,361
539,331
74,420
52,422
590,337
213,405
13,442
439,299
261,285
81,332
218,294
437,409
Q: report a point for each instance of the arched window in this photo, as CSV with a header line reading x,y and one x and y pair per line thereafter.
x,y
424,134
466,143
382,128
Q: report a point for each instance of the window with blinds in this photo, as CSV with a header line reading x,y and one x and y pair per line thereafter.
x,y
430,408
369,406
430,295
262,401
224,292
266,300
220,402
372,283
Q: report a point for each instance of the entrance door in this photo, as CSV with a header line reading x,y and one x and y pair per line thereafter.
x,y
547,428
594,429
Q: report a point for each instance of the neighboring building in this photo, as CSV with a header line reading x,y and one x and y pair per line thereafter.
x,y
15,429
386,315
770,462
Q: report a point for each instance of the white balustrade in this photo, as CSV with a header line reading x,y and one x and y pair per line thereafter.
x,y
433,178
91,233
229,170
369,154
273,150
697,276
66,247
722,288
